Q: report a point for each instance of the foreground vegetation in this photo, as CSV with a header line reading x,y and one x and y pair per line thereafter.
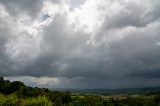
x,y
17,94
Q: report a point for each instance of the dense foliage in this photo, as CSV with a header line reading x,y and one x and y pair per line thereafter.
x,y
17,94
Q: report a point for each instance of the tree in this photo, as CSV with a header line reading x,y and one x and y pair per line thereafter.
x,y
1,79
66,98
16,85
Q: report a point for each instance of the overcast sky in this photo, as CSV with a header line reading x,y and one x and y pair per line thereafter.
x,y
81,43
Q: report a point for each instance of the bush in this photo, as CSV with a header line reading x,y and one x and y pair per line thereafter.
x,y
66,97
10,100
40,101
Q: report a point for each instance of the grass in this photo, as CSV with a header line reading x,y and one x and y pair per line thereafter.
x,y
40,101
12,100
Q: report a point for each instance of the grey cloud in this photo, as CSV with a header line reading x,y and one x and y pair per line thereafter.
x,y
59,43
56,1
76,4
4,37
136,51
132,14
147,74
31,7
122,52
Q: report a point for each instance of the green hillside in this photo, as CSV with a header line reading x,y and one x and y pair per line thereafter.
x,y
18,94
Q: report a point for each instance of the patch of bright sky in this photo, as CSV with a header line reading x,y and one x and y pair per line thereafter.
x,y
86,16
89,15
2,12
38,80
158,43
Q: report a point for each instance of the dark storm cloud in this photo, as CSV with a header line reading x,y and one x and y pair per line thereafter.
x,y
124,50
59,44
149,74
14,7
4,37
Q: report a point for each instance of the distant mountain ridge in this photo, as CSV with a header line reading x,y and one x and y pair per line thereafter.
x,y
112,91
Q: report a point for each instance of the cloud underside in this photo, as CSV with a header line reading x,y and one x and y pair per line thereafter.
x,y
97,44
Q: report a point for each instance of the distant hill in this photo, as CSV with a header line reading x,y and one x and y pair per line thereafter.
x,y
113,91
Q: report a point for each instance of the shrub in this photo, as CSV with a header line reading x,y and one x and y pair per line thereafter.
x,y
66,97
40,101
10,100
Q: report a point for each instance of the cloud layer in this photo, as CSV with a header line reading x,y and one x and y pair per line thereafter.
x,y
89,44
